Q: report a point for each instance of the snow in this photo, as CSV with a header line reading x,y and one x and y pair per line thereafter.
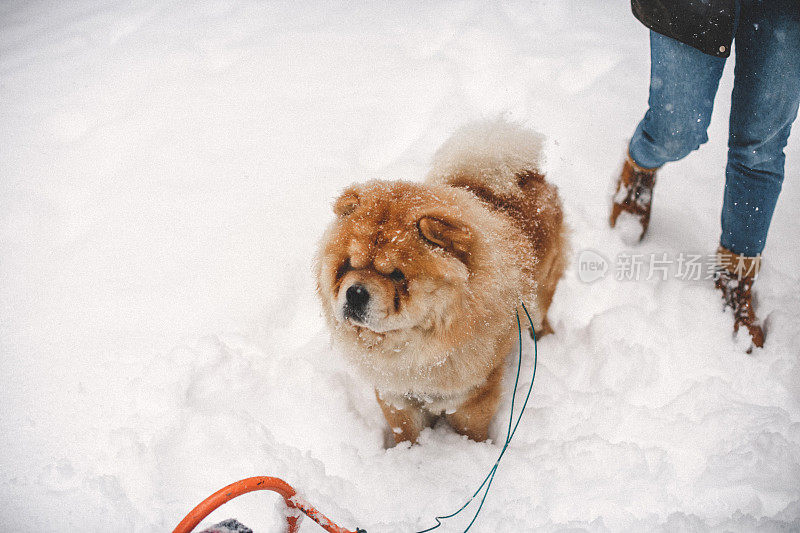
x,y
629,228
166,171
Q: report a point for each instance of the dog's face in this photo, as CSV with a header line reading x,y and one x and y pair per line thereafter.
x,y
396,258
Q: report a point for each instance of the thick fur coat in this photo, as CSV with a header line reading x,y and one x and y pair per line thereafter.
x,y
419,282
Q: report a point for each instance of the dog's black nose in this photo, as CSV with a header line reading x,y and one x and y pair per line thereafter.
x,y
357,298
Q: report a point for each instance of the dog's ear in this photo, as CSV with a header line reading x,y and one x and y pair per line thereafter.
x,y
346,203
450,235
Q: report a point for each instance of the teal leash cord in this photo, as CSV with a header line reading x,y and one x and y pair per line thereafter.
x,y
487,481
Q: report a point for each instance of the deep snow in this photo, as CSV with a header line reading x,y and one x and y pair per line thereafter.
x,y
165,172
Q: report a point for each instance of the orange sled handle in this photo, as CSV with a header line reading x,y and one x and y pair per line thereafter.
x,y
260,483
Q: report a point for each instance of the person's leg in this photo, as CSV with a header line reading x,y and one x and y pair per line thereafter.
x,y
683,84
766,94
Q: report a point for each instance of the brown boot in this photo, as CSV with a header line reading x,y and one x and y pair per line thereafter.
x,y
634,196
734,276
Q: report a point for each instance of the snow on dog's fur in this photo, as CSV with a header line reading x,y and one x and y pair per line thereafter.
x,y
419,282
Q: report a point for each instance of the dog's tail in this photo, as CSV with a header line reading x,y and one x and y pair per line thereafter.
x,y
495,155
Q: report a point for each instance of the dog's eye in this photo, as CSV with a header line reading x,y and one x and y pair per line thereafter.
x,y
343,269
397,275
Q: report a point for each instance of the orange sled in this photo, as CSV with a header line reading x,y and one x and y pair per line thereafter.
x,y
260,483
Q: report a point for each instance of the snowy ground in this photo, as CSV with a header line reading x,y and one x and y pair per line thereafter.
x,y
165,173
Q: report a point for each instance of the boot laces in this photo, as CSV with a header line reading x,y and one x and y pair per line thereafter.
x,y
639,192
736,291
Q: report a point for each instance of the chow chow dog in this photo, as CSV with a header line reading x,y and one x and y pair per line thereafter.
x,y
419,282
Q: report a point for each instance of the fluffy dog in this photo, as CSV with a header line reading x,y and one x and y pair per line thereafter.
x,y
419,282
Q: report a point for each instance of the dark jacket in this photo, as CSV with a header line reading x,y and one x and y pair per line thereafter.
x,y
707,25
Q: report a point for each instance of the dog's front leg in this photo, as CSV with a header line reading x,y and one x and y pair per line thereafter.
x,y
406,422
472,418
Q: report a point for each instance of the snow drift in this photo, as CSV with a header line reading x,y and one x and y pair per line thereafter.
x,y
165,172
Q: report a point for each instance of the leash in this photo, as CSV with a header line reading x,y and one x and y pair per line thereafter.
x,y
294,502
487,481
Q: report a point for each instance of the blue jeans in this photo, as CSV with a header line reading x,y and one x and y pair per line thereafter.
x,y
766,93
